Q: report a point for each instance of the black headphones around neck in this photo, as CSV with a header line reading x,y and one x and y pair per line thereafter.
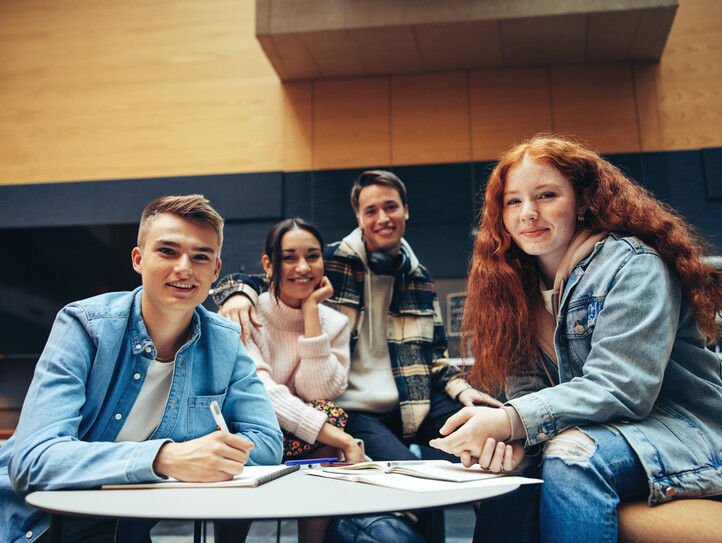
x,y
382,264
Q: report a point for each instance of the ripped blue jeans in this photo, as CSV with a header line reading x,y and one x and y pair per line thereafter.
x,y
586,473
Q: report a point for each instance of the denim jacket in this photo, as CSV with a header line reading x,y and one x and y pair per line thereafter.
x,y
85,384
630,356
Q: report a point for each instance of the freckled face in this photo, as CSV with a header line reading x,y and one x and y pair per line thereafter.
x,y
540,212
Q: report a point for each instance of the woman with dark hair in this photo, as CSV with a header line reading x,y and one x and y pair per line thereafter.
x,y
302,350
590,305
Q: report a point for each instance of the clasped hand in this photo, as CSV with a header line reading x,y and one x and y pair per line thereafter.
x,y
479,435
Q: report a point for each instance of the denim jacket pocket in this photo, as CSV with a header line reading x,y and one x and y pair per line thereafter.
x,y
577,331
200,418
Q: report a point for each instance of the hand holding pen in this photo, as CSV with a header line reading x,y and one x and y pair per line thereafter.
x,y
217,456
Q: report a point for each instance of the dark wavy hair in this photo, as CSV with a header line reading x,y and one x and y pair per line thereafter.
x,y
376,177
499,327
273,248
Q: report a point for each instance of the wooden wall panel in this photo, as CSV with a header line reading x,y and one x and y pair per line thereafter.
x,y
351,123
430,118
298,126
645,87
507,106
134,89
106,90
689,80
596,103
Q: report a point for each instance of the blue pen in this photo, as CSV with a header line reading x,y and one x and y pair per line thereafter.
x,y
310,461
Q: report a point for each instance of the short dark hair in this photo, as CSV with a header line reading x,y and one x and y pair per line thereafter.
x,y
193,207
273,248
376,177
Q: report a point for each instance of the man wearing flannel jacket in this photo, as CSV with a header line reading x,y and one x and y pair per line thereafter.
x,y
401,388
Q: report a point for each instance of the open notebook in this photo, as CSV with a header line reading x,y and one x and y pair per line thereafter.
x,y
440,470
252,476
420,476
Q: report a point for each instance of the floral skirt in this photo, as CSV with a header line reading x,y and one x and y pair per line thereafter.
x,y
294,447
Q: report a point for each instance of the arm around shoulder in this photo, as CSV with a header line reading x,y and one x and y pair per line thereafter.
x,y
238,283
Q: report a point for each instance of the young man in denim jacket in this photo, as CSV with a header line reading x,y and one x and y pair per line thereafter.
x,y
121,392
400,384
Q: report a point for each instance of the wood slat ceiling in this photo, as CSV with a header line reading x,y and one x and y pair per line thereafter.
x,y
325,39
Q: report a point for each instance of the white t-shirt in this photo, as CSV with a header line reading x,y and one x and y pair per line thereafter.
x,y
147,412
371,384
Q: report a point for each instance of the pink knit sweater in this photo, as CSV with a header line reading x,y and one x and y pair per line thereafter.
x,y
296,369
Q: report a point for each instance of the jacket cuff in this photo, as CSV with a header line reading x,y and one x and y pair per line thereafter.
x,y
139,468
456,386
536,418
221,294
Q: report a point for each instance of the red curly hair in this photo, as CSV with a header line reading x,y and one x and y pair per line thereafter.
x,y
499,326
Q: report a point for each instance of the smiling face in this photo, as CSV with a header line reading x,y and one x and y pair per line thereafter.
x,y
382,217
301,266
179,260
540,213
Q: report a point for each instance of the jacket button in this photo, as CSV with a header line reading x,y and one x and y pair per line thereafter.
x,y
118,416
136,376
579,328
147,349
670,492
29,535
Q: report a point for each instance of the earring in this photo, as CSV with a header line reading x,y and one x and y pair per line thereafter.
x,y
580,218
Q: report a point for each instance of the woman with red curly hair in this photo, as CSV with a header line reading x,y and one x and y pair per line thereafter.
x,y
590,305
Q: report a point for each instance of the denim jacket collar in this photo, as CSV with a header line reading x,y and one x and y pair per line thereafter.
x,y
141,342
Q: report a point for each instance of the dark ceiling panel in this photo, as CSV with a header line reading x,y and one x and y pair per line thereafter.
x,y
319,39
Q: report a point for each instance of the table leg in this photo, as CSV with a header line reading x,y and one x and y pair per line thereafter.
x,y
55,531
437,525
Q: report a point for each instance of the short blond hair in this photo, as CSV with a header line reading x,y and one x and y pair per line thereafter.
x,y
193,207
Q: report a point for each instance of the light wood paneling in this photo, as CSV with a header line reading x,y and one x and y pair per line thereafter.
x,y
298,127
134,89
108,90
596,104
689,81
351,123
645,87
507,106
430,118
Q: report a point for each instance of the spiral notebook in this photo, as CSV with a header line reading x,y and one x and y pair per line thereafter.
x,y
252,476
